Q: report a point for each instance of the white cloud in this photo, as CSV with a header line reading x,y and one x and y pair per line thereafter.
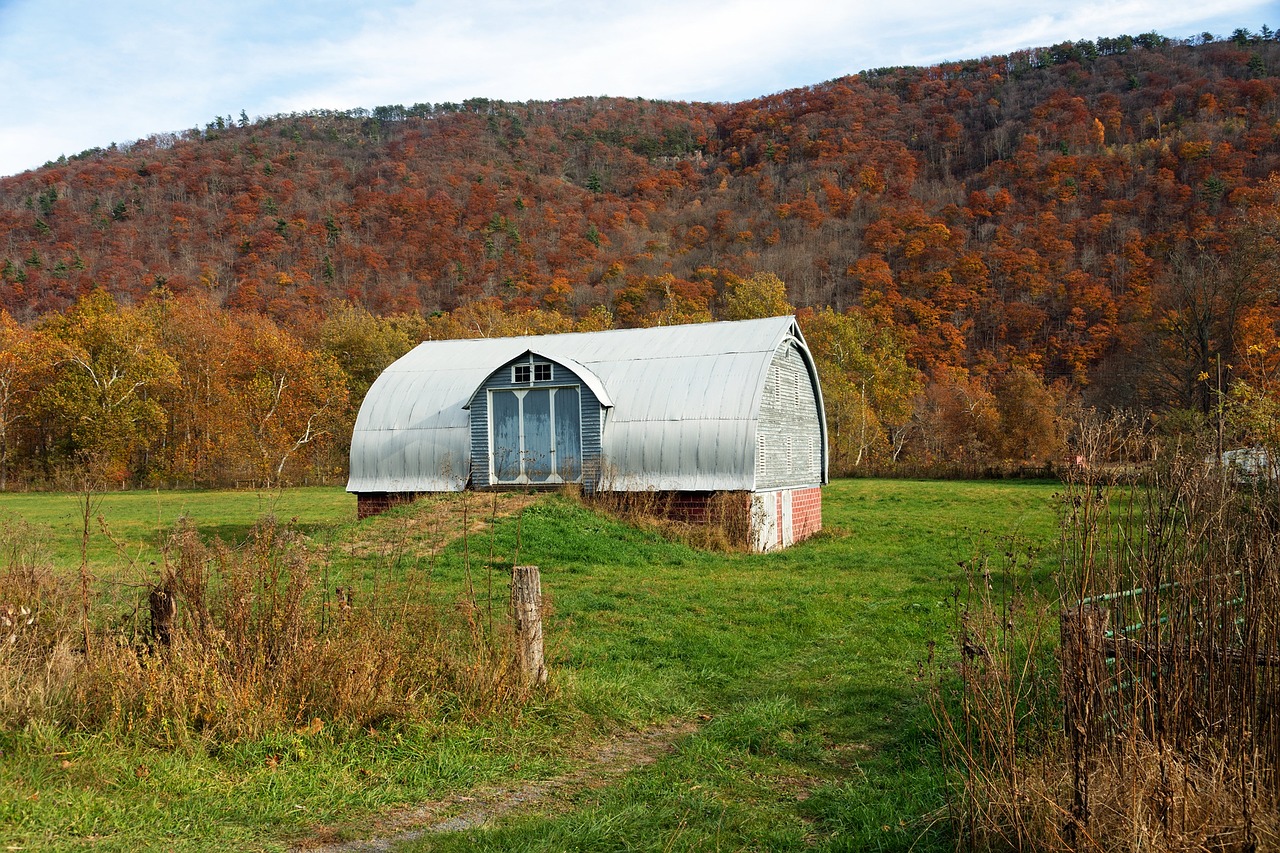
x,y
80,74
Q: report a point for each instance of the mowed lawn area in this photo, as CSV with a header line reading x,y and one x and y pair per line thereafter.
x,y
802,678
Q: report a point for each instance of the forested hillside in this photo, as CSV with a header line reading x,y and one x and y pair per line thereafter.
x,y
973,248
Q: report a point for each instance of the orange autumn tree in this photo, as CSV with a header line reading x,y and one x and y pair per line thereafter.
x,y
287,401
1031,430
957,420
662,300
24,363
200,338
1252,404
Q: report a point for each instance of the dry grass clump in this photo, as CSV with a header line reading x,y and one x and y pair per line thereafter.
x,y
35,661
1139,708
1143,799
712,521
241,641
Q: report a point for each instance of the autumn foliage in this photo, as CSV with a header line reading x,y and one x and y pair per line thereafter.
x,y
973,248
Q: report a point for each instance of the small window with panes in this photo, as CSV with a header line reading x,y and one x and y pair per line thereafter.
x,y
536,372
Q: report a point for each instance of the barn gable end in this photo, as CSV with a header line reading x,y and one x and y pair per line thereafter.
x,y
789,441
574,415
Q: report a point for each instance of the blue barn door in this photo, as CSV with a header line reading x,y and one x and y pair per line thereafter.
x,y
536,435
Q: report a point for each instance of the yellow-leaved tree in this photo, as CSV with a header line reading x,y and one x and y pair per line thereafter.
x,y
761,295
867,385
108,372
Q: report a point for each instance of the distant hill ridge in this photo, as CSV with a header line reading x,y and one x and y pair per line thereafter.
x,y
1049,208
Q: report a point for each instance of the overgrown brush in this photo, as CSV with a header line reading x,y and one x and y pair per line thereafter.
x,y
242,641
1137,705
719,521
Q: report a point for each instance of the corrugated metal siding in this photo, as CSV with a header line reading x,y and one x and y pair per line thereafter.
x,y
789,432
408,441
684,416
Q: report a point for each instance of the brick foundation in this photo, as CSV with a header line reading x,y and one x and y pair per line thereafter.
x,y
806,512
707,507
372,503
731,510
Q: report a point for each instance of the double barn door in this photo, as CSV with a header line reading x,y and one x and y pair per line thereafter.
x,y
536,435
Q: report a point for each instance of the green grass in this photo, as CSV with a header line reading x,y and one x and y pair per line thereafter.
x,y
130,527
802,666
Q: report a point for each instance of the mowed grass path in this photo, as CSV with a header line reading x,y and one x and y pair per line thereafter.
x,y
803,670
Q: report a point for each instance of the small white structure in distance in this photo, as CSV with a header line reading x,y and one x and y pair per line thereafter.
x,y
1249,463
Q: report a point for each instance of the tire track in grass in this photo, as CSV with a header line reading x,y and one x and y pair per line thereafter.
x,y
482,806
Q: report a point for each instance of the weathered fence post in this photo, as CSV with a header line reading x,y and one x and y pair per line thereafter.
x,y
526,607
1084,673
164,607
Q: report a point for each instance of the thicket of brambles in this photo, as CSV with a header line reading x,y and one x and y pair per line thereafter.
x,y
975,249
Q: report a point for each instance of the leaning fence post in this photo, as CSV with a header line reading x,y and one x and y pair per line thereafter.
x,y
526,607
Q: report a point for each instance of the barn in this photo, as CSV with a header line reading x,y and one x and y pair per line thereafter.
x,y
691,416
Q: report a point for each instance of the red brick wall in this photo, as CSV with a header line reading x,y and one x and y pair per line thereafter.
x,y
691,507
372,503
806,512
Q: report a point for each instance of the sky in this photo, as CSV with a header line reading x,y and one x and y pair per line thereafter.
x,y
79,74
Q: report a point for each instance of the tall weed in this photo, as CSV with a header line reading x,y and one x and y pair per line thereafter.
x,y
243,641
1161,638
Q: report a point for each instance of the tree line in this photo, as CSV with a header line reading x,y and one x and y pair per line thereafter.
x,y
1001,237
176,391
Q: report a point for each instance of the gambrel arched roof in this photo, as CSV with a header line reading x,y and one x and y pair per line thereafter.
x,y
683,403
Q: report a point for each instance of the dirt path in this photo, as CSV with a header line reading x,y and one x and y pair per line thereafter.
x,y
481,806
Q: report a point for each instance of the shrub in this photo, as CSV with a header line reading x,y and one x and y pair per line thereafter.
x,y
243,642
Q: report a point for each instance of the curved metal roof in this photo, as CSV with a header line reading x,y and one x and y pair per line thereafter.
x,y
685,400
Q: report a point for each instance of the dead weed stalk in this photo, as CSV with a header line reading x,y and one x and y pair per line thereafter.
x,y
1136,707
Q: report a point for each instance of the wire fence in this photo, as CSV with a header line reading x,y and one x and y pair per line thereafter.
x,y
1170,649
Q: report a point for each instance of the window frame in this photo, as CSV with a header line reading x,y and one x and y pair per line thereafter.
x,y
529,372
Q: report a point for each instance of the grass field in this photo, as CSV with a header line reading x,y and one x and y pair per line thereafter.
x,y
803,676
130,527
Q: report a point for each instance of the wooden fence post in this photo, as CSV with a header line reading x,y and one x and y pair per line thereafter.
x,y
1084,676
164,607
526,606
